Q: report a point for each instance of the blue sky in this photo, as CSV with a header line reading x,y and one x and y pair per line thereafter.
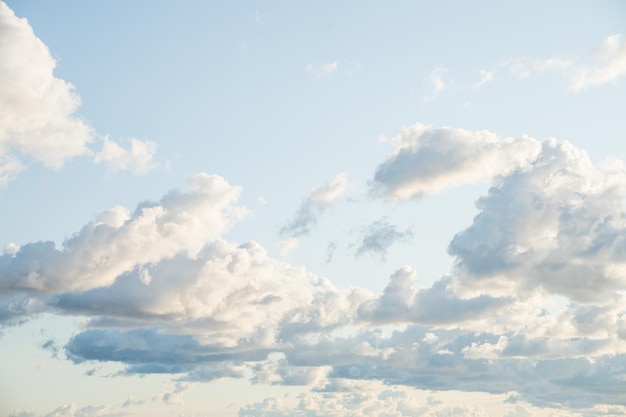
x,y
265,209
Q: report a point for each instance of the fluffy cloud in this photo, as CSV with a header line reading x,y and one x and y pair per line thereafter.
x,y
427,160
318,201
607,64
138,158
558,225
118,241
161,281
533,309
39,117
401,301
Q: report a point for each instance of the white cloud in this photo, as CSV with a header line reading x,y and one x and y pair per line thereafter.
x,y
533,309
437,82
557,225
427,160
607,64
137,159
485,77
38,116
321,71
288,245
39,119
118,241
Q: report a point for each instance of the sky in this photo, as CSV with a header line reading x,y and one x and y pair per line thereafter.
x,y
272,209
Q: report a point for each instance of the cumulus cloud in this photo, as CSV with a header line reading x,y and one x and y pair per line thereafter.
x,y
605,65
379,236
119,241
39,118
161,281
39,109
318,201
427,160
401,301
533,309
138,159
557,225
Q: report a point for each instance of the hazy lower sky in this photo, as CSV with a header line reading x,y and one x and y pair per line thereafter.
x,y
279,209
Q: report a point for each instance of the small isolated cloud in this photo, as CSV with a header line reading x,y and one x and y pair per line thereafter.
x,y
485,77
437,83
605,65
330,251
318,201
379,236
288,245
11,249
137,159
321,71
427,160
176,396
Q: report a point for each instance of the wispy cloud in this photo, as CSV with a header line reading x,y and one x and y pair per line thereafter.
x,y
605,65
437,83
485,77
317,202
378,237
321,71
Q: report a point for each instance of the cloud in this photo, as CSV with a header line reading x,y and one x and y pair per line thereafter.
x,y
318,201
437,305
360,399
176,396
118,241
71,410
437,83
556,225
427,160
485,77
39,119
607,64
533,308
288,245
330,251
137,159
379,236
321,71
